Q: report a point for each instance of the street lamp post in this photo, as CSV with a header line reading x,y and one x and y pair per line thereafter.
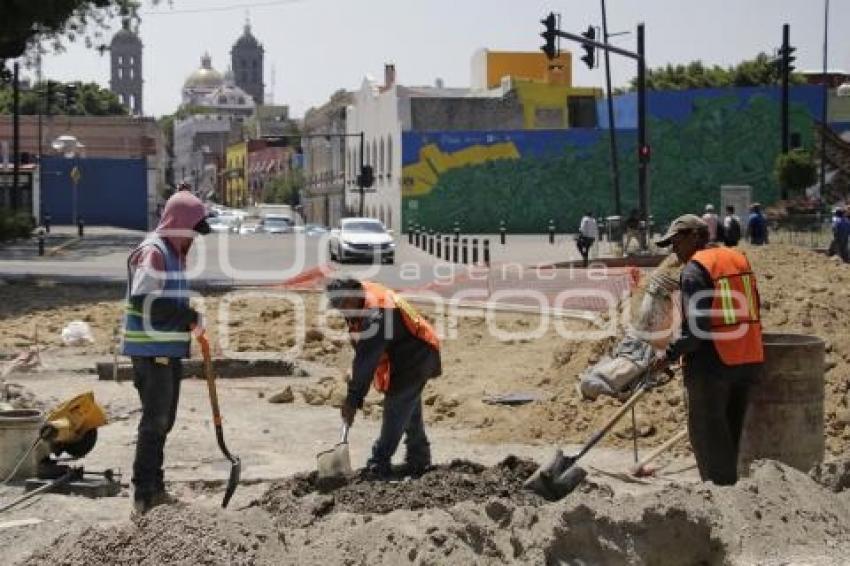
x,y
70,147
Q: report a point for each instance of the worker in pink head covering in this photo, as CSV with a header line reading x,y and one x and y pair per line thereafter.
x,y
157,332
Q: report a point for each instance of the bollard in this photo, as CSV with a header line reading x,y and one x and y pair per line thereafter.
x,y
502,231
47,220
416,238
439,246
431,242
474,251
487,253
551,231
80,224
455,257
447,248
410,234
423,243
457,231
41,242
464,250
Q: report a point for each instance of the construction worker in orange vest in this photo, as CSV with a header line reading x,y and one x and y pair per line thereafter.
x,y
397,351
721,344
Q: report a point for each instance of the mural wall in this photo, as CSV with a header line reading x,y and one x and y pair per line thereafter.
x,y
700,140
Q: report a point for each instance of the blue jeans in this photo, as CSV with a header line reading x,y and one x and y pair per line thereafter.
x,y
402,416
159,391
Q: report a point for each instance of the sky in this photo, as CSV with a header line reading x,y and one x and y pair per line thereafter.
x,y
319,46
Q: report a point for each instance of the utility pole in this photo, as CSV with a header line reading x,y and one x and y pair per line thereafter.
x,y
643,146
786,44
612,132
16,138
824,116
359,179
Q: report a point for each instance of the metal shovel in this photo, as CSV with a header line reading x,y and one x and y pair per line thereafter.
x,y
334,465
235,462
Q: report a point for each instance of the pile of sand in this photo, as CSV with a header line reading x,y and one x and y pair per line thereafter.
x,y
776,516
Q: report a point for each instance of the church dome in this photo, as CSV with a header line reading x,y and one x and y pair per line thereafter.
x,y
206,77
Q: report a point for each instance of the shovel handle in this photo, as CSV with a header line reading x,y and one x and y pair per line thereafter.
x,y
343,438
210,377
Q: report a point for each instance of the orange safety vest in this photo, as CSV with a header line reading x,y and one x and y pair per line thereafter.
x,y
735,307
379,297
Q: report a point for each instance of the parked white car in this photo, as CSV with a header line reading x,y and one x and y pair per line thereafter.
x,y
361,238
275,224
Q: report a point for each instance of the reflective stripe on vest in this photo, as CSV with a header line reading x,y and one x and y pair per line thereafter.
x,y
379,297
139,337
735,317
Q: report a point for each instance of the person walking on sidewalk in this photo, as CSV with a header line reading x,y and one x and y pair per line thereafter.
x,y
157,327
757,226
721,343
588,233
396,350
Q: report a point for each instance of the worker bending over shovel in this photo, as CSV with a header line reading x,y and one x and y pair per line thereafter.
x,y
398,351
721,344
157,334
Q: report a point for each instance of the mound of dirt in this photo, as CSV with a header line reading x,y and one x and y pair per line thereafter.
x,y
300,500
177,534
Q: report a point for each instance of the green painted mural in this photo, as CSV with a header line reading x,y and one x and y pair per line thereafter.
x,y
561,174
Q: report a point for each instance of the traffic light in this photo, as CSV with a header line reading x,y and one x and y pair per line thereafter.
x,y
549,48
50,97
366,178
589,57
644,153
70,98
788,58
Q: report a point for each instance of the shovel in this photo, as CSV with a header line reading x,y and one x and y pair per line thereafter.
x,y
235,462
560,476
334,465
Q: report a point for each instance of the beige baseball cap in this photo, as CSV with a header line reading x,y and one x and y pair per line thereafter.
x,y
683,224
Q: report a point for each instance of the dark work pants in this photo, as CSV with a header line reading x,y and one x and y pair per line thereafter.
x,y
584,244
402,416
158,385
716,410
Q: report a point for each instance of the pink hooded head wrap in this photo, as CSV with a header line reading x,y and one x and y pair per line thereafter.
x,y
181,214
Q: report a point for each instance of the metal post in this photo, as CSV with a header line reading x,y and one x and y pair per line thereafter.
x,y
824,115
551,231
16,137
474,251
502,231
455,256
410,233
362,188
643,162
47,219
439,246
612,133
80,224
786,43
41,242
431,242
457,231
463,247
487,253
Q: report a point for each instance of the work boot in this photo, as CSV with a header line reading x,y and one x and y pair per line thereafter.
x,y
141,505
377,472
415,468
161,498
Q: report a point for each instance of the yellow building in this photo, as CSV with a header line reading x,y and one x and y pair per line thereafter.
x,y
490,67
235,193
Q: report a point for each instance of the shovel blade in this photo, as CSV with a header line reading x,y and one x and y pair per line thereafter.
x,y
334,463
232,481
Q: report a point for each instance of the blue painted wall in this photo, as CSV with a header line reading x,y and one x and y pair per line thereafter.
x,y
111,192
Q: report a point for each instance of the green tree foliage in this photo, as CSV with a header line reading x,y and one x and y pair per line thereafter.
x,y
15,225
25,23
795,171
759,71
89,100
284,189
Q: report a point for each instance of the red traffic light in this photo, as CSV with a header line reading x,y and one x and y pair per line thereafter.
x,y
644,153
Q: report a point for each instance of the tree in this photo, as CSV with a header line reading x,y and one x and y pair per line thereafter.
x,y
759,71
25,23
90,100
795,171
285,189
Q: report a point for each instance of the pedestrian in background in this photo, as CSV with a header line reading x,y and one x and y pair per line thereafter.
x,y
588,233
731,227
757,226
711,220
841,234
